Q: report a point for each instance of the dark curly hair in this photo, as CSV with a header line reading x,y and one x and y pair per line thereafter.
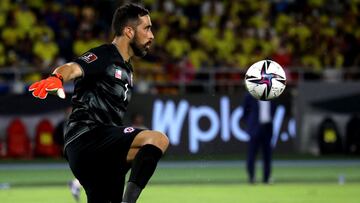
x,y
125,15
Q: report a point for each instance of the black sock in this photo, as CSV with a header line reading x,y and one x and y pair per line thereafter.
x,y
143,168
132,193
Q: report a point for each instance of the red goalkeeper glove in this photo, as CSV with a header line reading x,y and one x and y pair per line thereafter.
x,y
52,84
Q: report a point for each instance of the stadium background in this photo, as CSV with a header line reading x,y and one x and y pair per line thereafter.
x,y
201,52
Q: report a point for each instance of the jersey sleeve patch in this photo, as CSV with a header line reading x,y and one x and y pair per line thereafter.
x,y
129,130
88,57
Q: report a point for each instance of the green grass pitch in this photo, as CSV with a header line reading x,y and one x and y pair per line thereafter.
x,y
207,184
212,193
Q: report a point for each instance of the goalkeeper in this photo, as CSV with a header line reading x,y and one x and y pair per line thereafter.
x,y
99,149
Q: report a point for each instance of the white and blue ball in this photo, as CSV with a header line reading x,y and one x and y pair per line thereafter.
x,y
265,80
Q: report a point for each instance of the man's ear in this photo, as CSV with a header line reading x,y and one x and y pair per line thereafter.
x,y
129,32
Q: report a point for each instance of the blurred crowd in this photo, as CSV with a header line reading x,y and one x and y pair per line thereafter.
x,y
190,35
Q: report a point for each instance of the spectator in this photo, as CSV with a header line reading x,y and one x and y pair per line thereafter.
x,y
257,119
137,121
210,33
46,49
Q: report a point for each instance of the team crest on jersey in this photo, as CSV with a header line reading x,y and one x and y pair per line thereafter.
x,y
88,57
118,73
129,130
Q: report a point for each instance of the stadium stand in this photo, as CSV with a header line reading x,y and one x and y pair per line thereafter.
x,y
196,40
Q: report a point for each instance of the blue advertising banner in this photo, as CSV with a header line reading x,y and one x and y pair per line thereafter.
x,y
208,124
200,124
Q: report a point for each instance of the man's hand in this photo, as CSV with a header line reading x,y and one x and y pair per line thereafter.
x,y
52,84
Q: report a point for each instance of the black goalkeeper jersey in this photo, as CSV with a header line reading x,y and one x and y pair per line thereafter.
x,y
102,94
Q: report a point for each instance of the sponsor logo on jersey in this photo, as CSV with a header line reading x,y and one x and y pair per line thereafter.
x,y
129,130
118,73
88,57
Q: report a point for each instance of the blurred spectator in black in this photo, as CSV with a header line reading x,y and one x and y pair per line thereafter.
x,y
257,119
137,120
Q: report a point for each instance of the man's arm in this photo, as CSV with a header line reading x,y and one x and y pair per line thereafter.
x,y
54,83
69,71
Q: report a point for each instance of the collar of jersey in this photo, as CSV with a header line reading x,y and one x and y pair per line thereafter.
x,y
118,58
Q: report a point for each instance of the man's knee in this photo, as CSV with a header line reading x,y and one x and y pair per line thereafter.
x,y
151,137
157,139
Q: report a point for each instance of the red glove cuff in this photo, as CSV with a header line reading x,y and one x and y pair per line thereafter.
x,y
58,75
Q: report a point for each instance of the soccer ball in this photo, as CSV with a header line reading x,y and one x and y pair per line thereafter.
x,y
265,80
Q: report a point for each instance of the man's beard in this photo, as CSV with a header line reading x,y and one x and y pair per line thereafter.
x,y
138,49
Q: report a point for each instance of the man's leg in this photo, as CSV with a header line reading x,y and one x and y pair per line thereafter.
x,y
267,153
145,152
251,157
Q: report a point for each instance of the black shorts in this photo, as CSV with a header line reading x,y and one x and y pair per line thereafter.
x,y
98,160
